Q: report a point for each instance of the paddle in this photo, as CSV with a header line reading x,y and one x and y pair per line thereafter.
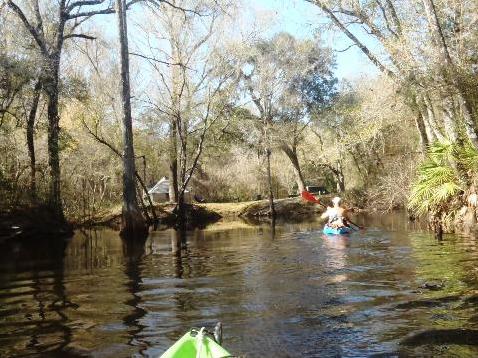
x,y
309,197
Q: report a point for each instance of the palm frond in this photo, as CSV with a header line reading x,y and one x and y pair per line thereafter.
x,y
468,157
441,152
437,181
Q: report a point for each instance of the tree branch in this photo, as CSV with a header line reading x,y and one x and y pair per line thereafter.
x,y
352,37
159,61
347,48
78,22
387,22
395,18
36,36
117,152
105,11
82,36
83,3
158,3
39,26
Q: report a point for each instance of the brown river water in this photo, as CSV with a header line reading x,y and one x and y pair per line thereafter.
x,y
388,291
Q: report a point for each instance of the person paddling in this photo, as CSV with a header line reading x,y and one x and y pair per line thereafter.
x,y
337,215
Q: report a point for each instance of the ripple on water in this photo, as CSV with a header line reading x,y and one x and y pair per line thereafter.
x,y
298,293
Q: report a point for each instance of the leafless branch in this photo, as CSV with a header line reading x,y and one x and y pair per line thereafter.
x,y
78,22
82,36
100,139
39,26
36,36
118,153
385,16
158,61
83,3
174,6
341,26
347,48
109,10
395,18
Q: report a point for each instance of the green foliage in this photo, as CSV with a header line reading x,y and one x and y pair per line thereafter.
x,y
468,156
438,177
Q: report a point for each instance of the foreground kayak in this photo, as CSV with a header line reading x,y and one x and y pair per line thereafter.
x,y
196,344
336,231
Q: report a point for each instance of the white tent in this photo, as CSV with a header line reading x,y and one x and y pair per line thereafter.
x,y
159,193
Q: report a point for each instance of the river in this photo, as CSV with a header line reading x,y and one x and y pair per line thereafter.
x,y
389,290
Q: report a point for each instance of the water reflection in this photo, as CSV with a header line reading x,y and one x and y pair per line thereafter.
x,y
273,228
34,304
134,252
280,290
335,248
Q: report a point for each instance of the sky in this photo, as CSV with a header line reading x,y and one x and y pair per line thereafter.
x,y
302,19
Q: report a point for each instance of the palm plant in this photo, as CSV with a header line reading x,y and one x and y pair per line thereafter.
x,y
468,158
439,180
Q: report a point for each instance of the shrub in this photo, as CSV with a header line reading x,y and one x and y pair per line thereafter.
x,y
440,176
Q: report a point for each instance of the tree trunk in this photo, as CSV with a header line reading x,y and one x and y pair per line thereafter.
x,y
340,183
448,119
339,176
177,82
173,163
133,224
431,133
292,155
437,31
180,210
30,139
434,127
449,73
470,126
422,131
51,87
150,202
54,199
269,182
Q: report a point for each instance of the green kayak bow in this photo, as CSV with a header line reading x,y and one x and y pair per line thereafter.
x,y
196,344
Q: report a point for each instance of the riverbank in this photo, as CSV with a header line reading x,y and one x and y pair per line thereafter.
x,y
292,208
36,221
31,222
201,214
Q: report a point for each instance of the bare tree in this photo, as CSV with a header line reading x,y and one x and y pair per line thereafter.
x,y
193,85
69,17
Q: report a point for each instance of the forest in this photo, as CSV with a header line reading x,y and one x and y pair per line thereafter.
x,y
100,99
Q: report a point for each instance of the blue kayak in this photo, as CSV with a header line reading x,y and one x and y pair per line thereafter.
x,y
336,231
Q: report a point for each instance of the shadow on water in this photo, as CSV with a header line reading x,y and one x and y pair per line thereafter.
x,y
443,336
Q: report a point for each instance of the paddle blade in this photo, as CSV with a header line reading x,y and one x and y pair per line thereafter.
x,y
309,197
